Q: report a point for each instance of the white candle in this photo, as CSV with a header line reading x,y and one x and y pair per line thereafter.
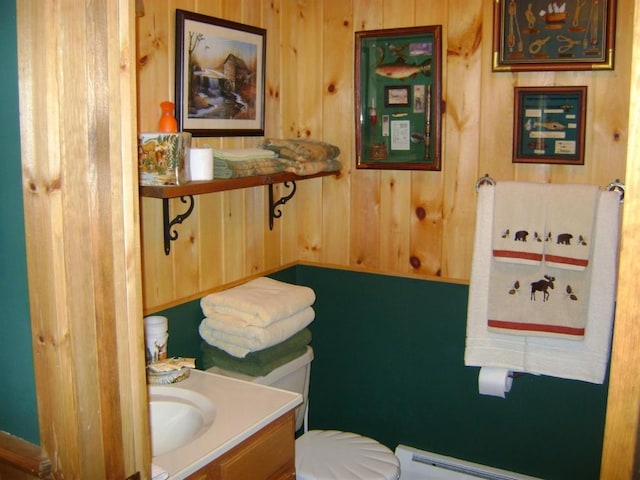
x,y
201,164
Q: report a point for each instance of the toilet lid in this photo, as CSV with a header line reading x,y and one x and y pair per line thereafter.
x,y
331,455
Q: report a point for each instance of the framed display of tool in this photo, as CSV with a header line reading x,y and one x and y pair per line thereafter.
x,y
398,76
549,124
538,35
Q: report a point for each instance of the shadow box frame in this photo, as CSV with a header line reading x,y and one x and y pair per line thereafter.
x,y
398,98
553,35
549,125
209,103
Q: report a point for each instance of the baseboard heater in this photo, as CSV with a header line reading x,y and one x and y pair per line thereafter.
x,y
420,465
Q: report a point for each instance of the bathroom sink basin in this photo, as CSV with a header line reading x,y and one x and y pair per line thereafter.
x,y
178,416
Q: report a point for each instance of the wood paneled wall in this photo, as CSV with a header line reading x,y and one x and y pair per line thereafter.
x,y
364,219
77,136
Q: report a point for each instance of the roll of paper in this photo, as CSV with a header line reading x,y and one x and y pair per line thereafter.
x,y
494,381
201,163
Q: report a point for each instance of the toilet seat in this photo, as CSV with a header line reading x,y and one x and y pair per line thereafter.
x,y
335,455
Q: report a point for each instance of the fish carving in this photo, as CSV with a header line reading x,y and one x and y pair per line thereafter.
x,y
399,70
549,125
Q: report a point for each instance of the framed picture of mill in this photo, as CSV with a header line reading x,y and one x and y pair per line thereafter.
x,y
220,71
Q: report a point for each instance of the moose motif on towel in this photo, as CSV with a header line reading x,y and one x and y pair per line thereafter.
x,y
542,286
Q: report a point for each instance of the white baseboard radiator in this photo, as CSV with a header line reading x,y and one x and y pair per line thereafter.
x,y
420,465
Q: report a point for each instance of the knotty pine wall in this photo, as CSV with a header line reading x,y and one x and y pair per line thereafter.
x,y
363,220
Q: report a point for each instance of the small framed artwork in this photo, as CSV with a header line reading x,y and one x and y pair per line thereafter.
x,y
549,125
220,76
396,96
398,75
539,35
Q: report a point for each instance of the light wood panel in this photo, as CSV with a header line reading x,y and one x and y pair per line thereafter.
x,y
418,223
406,223
623,405
77,121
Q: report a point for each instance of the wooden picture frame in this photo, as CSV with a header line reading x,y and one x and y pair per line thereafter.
x,y
398,77
549,125
220,76
540,35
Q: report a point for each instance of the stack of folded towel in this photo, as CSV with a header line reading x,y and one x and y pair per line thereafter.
x,y
257,326
304,156
245,162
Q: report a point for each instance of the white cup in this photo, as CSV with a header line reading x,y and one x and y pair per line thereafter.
x,y
201,164
156,334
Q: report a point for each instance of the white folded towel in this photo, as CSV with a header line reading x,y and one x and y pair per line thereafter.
x,y
485,348
238,339
259,302
587,360
519,220
569,225
584,360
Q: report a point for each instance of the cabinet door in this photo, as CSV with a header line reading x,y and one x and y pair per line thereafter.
x,y
267,455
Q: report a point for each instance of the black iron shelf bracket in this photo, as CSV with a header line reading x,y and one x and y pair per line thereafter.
x,y
169,234
274,207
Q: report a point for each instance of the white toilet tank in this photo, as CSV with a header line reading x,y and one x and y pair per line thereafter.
x,y
292,376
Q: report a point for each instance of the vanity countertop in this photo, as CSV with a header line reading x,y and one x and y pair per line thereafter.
x,y
242,409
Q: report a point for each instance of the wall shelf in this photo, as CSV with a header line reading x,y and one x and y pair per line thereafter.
x,y
187,191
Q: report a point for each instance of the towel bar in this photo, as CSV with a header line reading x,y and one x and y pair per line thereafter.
x,y
615,186
485,180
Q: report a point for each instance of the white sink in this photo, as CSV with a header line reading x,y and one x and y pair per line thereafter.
x,y
178,417
195,421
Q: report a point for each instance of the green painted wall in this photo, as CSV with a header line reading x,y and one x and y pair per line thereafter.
x,y
18,409
389,363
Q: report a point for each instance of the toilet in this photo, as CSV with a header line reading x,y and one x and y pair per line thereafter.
x,y
325,454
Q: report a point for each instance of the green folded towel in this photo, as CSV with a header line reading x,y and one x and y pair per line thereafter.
x,y
259,363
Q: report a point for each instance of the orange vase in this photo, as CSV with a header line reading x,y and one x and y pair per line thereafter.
x,y
168,122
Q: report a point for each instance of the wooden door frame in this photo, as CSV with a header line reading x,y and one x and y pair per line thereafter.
x,y
77,72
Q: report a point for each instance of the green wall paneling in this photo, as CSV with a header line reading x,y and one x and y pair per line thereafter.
x,y
389,363
18,405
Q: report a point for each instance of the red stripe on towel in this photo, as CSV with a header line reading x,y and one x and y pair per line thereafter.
x,y
536,327
514,254
580,262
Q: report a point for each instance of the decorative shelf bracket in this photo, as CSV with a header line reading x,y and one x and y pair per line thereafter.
x,y
274,207
169,234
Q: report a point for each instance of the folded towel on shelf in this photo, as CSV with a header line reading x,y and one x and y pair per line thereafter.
x,y
482,347
311,168
260,363
259,302
224,168
519,222
569,225
301,149
587,360
242,154
239,338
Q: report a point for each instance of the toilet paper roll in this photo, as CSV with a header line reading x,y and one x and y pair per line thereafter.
x,y
494,381
201,164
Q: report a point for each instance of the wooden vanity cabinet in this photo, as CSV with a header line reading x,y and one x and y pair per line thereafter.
x,y
268,454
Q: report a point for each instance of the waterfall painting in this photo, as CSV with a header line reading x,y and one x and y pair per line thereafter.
x,y
220,75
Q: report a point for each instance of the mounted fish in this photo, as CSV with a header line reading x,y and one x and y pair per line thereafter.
x,y
401,70
398,98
